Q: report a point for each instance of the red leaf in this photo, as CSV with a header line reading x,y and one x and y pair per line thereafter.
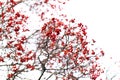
x,y
23,16
93,52
14,68
10,75
62,43
29,53
102,52
94,76
88,58
66,52
65,26
24,30
53,37
60,23
42,14
19,53
80,25
10,19
19,22
1,3
59,60
46,1
1,59
34,55
84,32
93,40
9,24
53,6
23,38
96,58
8,9
75,55
0,29
13,2
17,14
3,15
49,33
29,66
8,55
72,20
24,59
58,31
17,29
19,47
44,27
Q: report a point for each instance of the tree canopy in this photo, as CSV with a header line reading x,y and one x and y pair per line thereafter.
x,y
59,46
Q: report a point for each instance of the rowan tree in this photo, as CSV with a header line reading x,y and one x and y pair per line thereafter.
x,y
59,47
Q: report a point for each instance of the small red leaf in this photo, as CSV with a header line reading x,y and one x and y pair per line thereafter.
x,y
1,3
1,59
93,52
66,52
14,68
29,66
10,75
17,29
0,29
44,27
8,55
93,40
46,1
19,46
80,25
17,14
24,30
72,20
58,31
102,52
19,53
23,59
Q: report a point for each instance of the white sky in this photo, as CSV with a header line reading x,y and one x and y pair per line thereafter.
x,y
102,18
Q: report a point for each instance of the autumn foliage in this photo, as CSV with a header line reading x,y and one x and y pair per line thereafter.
x,y
61,46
